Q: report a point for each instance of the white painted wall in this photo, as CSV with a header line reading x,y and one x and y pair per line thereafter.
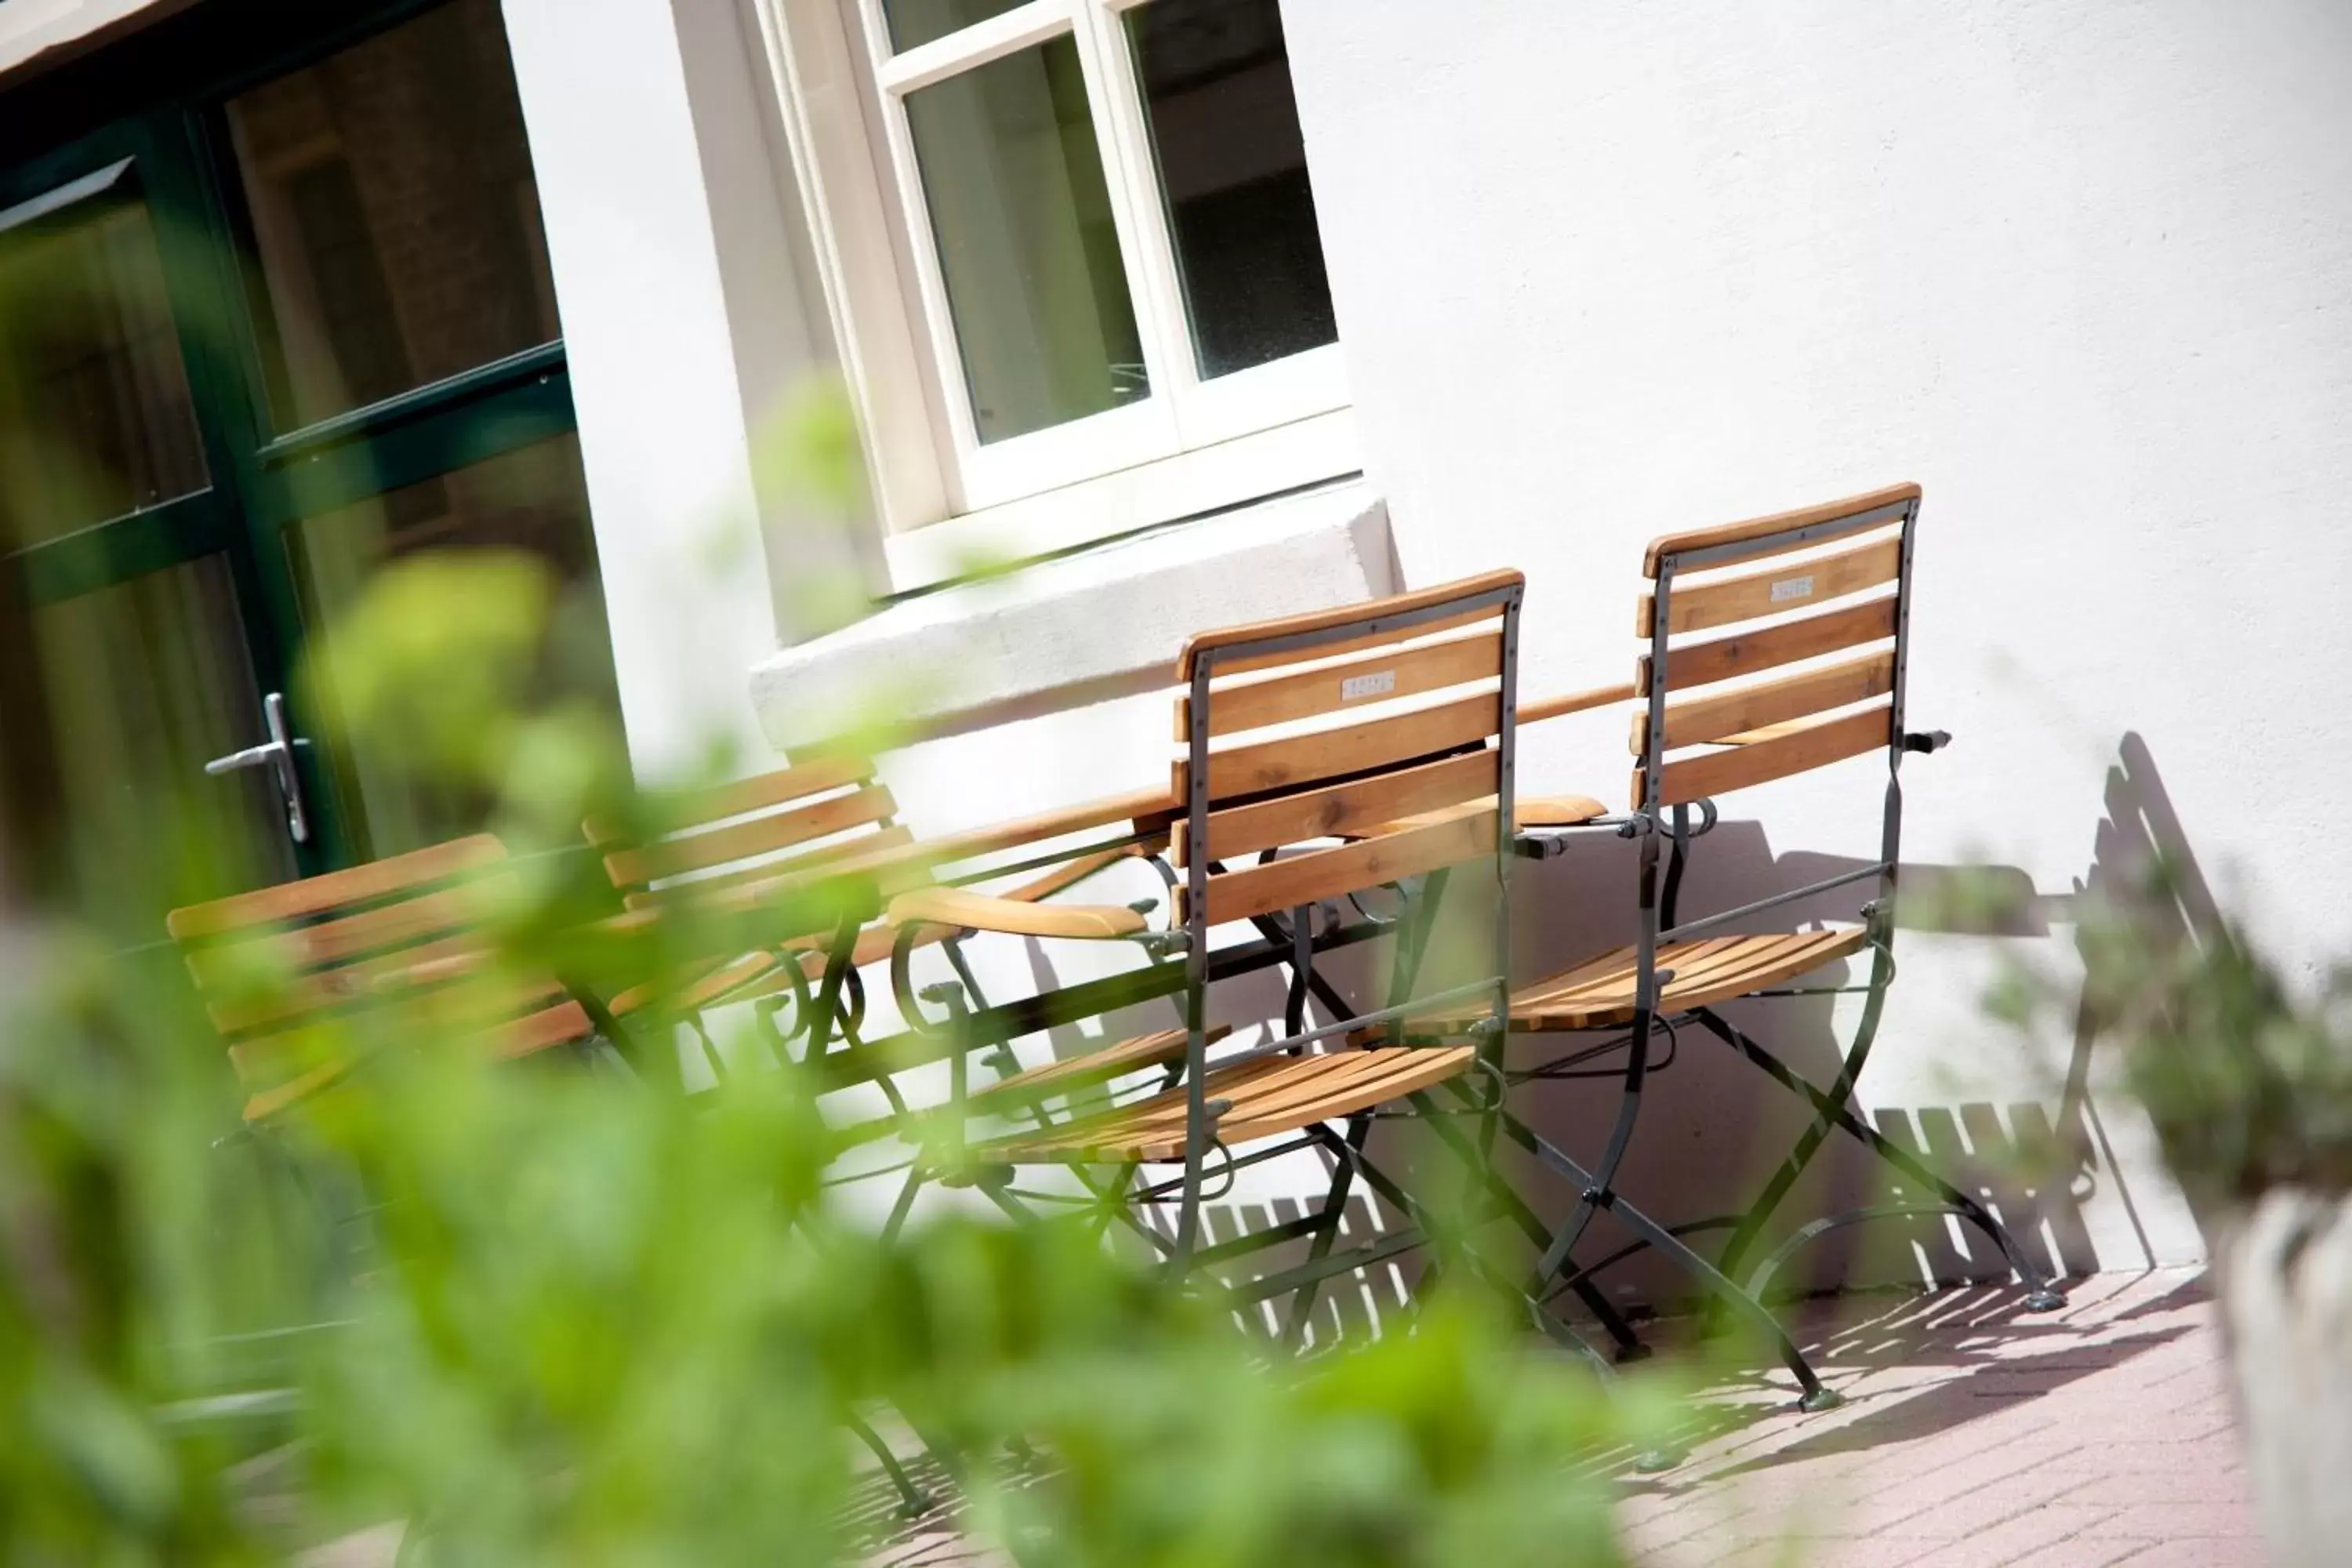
x,y
1609,270
2085,272
684,323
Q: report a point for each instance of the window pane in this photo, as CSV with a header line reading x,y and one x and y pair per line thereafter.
x,y
95,420
393,209
914,22
110,704
533,499
1233,173
1023,218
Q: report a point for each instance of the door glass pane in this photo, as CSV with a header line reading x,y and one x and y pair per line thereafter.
x,y
1023,218
1233,172
110,704
914,22
95,420
393,209
533,499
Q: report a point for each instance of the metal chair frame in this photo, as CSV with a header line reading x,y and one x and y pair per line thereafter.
x,y
1833,1107
1290,941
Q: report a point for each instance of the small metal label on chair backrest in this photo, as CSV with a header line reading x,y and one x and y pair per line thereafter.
x,y
1355,687
1789,588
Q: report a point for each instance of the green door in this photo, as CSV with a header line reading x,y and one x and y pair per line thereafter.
x,y
255,342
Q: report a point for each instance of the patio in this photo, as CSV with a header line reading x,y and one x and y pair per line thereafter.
x,y
1972,1438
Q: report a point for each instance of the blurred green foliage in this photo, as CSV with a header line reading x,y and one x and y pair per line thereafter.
x,y
2246,1076
547,1312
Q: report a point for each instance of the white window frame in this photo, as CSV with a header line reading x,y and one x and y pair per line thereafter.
x,y
1193,444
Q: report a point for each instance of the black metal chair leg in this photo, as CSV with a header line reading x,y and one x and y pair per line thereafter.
x,y
1531,1224
1334,1203
905,1203
1784,1179
2041,1295
1813,1394
916,1501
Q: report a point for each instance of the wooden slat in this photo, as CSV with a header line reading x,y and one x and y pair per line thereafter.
x,y
1264,765
1071,874
275,1102
1092,1067
1464,833
1355,682
315,894
1402,1071
1695,720
1291,625
1779,522
403,924
326,989
264,1060
1815,745
754,835
557,1026
1145,809
1343,810
1715,969
1599,993
1795,586
719,802
1268,1096
1744,653
856,848
410,923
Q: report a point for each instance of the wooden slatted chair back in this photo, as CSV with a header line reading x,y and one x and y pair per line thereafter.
x,y
795,819
1772,647
1383,723
405,930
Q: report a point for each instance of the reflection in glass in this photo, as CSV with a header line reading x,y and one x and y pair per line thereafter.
x,y
1023,218
1233,172
95,420
916,22
393,209
534,500
110,704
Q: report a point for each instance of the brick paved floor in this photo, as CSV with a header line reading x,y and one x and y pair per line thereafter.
x,y
1973,1435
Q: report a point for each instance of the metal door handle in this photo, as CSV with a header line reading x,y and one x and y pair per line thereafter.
x,y
276,754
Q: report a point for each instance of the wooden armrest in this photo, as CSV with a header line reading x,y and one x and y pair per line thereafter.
x,y
1545,707
1556,810
1146,810
979,911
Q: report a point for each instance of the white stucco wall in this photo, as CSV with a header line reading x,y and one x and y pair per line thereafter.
x,y
686,322
1610,270
2085,272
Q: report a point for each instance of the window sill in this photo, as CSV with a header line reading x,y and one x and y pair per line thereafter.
x,y
1263,463
1083,628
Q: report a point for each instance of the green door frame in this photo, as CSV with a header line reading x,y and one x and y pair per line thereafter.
x,y
167,141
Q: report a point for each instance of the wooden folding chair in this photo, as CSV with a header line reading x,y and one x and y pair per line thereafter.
x,y
407,934
1385,726
833,815
405,930
1750,675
